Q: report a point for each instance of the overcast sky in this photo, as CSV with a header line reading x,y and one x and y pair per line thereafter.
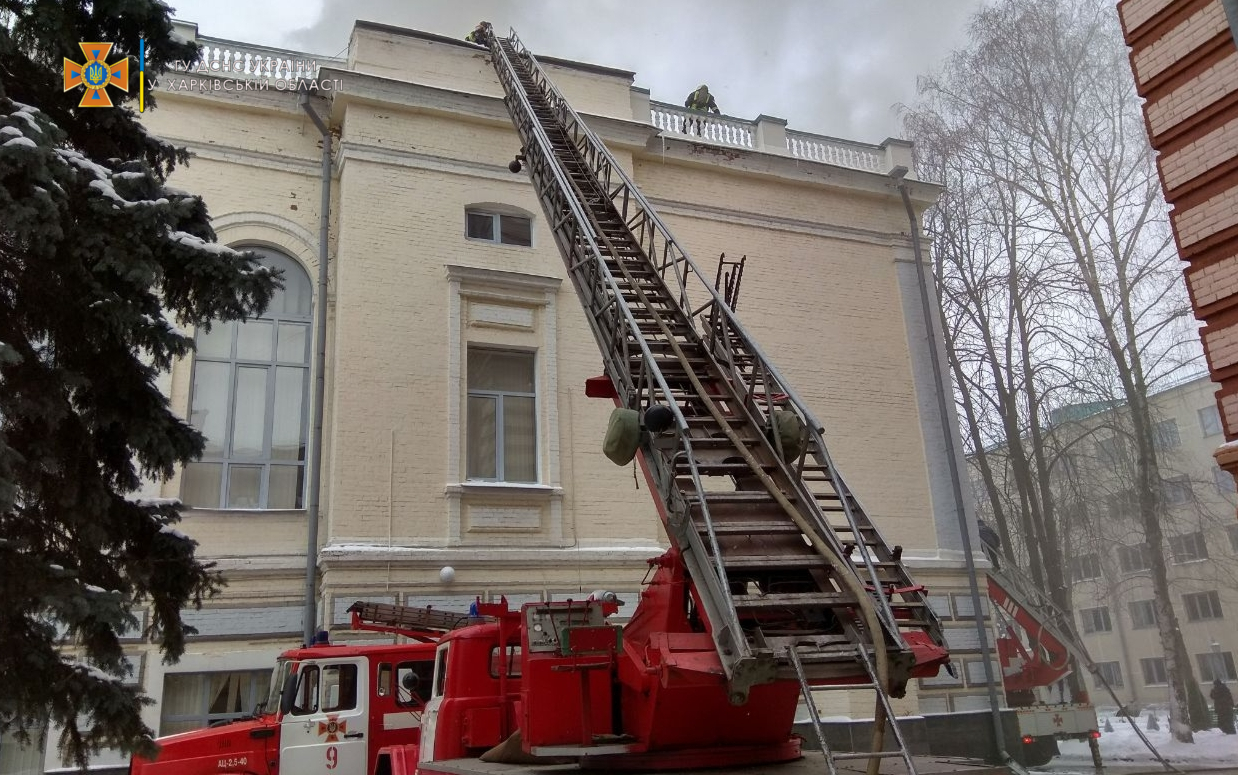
x,y
835,67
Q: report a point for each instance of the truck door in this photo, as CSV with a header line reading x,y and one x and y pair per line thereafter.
x,y
324,732
429,717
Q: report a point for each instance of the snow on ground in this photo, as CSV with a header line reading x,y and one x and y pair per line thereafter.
x,y
1122,747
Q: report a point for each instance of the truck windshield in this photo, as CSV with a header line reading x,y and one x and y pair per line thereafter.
x,y
280,674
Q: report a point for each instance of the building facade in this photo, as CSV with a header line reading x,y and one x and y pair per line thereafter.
x,y
1185,62
1112,587
456,431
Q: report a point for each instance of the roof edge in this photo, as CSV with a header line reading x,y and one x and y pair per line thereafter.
x,y
436,38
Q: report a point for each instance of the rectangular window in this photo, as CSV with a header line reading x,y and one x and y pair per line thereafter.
x,y
1111,452
1153,671
1165,435
1085,567
513,662
1202,605
1143,614
499,228
502,416
197,700
1111,672
339,688
1121,504
1224,481
1176,490
1134,558
1214,665
1068,464
413,683
1210,420
1095,620
1188,548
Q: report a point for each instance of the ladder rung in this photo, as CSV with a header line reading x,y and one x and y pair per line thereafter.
x,y
753,528
795,600
875,755
774,562
841,687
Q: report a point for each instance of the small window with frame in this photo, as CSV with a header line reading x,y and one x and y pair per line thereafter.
x,y
339,688
499,228
413,680
306,701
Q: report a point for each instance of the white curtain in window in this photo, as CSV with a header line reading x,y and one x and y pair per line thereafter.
x,y
519,439
17,759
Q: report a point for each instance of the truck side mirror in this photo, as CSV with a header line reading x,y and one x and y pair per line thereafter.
x,y
288,694
411,681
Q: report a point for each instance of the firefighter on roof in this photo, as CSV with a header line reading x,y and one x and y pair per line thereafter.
x,y
479,34
701,99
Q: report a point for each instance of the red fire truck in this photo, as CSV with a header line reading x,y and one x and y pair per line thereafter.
x,y
549,682
776,582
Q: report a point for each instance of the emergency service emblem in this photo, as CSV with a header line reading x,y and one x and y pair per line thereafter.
x,y
332,728
96,75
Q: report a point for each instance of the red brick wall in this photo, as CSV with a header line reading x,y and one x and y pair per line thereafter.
x,y
1185,63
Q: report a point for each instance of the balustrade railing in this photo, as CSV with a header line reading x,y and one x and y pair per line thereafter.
x,y
838,152
230,59
725,130
742,133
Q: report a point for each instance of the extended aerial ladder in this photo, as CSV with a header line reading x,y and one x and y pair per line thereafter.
x,y
792,578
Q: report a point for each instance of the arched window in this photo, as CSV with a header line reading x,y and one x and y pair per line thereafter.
x,y
250,398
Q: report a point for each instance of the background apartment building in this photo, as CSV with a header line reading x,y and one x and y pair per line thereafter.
x,y
1107,559
457,431
1113,593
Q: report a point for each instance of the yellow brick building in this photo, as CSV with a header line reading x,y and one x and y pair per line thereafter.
x,y
443,271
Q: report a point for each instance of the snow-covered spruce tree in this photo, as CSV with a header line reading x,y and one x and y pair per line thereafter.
x,y
99,264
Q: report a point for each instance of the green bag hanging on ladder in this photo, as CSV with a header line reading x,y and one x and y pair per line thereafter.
x,y
790,430
622,436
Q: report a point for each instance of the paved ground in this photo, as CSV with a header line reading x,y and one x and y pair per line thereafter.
x,y
1187,769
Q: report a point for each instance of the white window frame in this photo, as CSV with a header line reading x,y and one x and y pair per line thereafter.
x,y
1111,451
1111,672
1210,421
1134,558
1095,620
499,397
1082,564
1153,669
226,460
515,310
1137,608
1177,490
1194,603
1189,547
1165,434
1208,663
496,225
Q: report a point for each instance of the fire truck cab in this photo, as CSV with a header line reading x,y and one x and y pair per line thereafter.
x,y
330,709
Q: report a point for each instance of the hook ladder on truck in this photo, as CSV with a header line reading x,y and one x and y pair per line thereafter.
x,y
776,582
1035,641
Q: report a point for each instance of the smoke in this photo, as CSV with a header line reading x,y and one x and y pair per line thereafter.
x,y
834,67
